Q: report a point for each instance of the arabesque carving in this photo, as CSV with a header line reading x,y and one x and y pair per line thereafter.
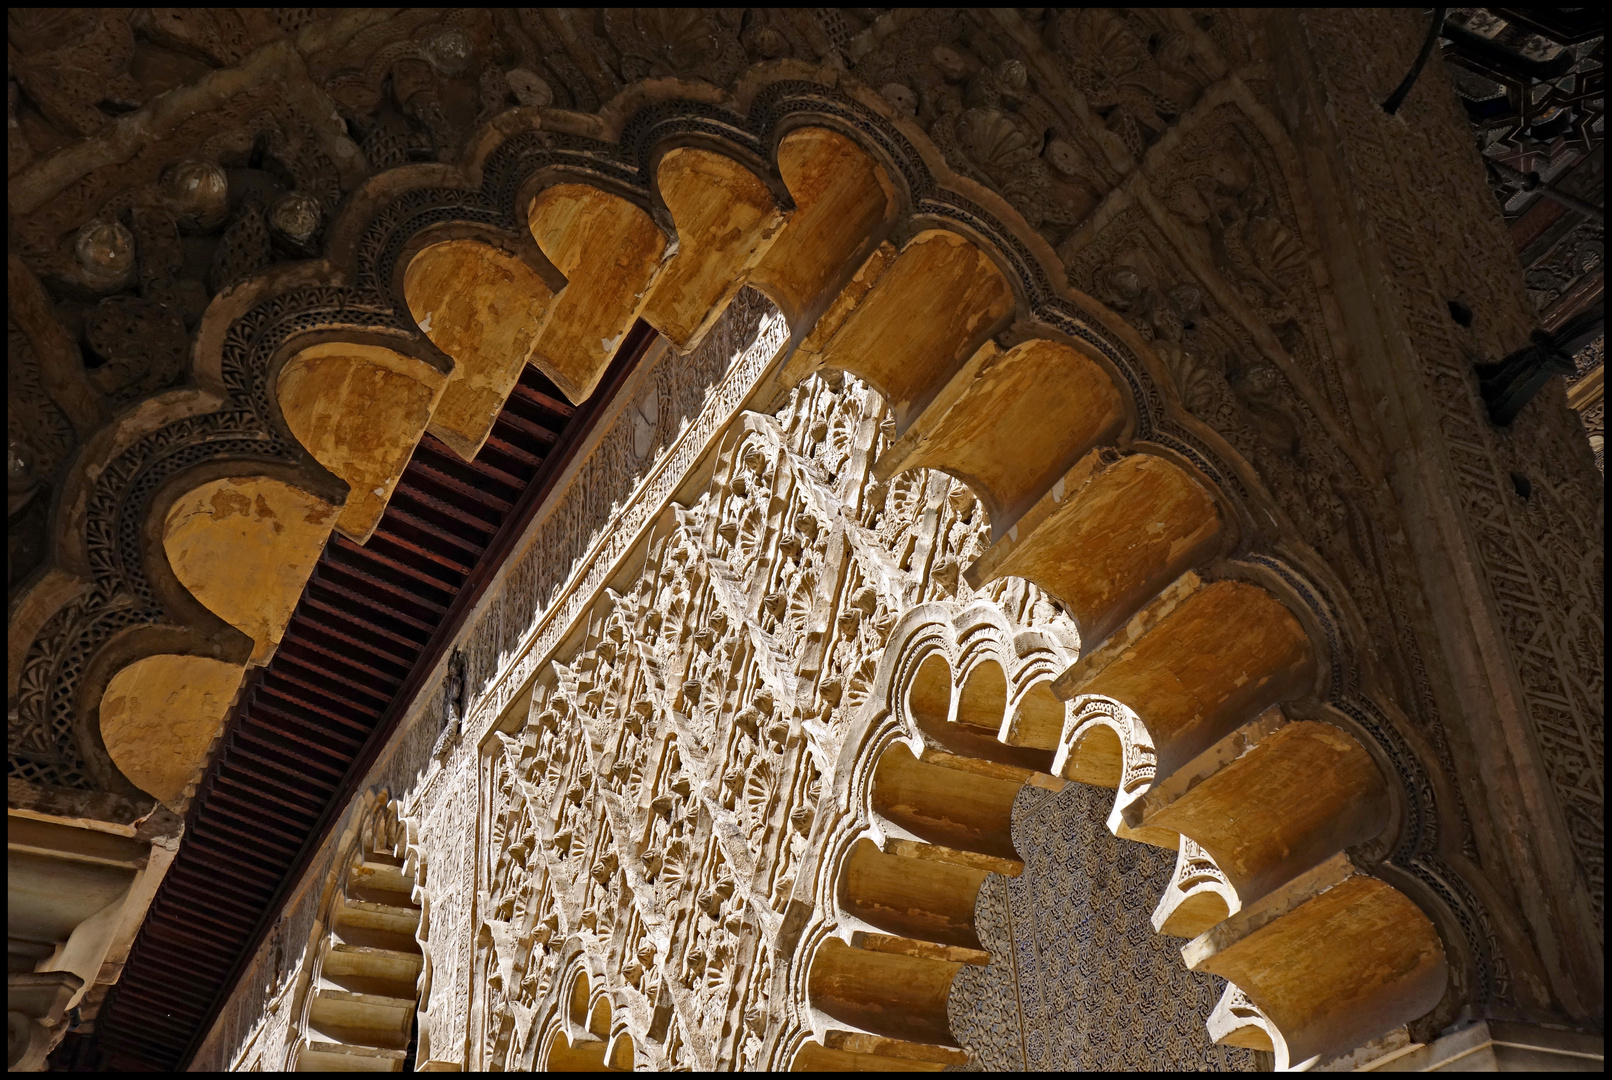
x,y
1057,467
1529,567
699,712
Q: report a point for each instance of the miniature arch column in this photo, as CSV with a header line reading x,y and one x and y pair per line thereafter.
x,y
363,991
988,702
359,410
596,1049
982,699
1034,715
960,723
485,308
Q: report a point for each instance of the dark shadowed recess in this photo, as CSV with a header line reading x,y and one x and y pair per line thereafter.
x,y
373,622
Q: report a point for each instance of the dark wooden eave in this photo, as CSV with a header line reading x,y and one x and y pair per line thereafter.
x,y
372,625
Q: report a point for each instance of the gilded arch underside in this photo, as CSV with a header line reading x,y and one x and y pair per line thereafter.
x,y
1131,604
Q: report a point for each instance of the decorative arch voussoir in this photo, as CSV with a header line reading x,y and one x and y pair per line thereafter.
x,y
904,862
364,967
875,846
925,800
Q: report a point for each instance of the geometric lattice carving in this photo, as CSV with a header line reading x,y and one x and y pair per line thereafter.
x,y
1079,979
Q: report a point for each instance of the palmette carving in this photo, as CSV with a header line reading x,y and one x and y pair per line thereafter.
x,y
653,802
71,61
1139,77
767,607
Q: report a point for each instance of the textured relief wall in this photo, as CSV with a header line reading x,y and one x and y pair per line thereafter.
x,y
636,819
670,680
1529,498
1079,980
625,473
650,803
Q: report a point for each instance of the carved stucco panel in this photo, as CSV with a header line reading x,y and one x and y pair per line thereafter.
x,y
696,716
805,593
1441,242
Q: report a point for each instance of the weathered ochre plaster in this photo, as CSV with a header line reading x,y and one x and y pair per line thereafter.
x,y
726,220
360,410
245,545
910,1005
1009,422
1363,940
1272,799
1228,647
937,805
1110,533
588,1055
160,714
608,249
932,308
484,308
842,196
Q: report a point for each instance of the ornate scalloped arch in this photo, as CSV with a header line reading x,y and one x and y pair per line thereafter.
x,y
1133,522
365,973
584,1029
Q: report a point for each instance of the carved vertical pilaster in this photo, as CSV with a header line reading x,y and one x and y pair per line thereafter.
x,y
1505,524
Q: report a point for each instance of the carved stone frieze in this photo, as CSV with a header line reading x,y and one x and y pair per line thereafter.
x,y
1205,255
1497,515
698,713
676,719
1432,260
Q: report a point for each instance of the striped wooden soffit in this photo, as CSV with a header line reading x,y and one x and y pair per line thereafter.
x,y
371,625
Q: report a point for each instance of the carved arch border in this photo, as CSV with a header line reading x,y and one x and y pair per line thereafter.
x,y
250,330
355,295
840,1009
379,827
962,637
584,1024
